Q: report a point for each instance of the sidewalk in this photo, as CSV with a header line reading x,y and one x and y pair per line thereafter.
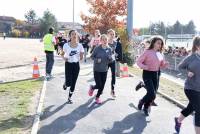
x,y
112,117
25,71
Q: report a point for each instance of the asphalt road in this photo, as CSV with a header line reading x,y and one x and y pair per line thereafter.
x,y
118,116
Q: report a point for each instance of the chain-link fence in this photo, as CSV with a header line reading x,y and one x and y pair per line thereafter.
x,y
172,59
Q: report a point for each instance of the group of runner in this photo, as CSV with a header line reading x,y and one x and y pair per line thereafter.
x,y
106,52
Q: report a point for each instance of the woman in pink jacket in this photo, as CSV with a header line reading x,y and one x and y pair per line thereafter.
x,y
151,61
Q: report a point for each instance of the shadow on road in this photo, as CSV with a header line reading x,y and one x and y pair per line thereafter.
x,y
132,124
67,123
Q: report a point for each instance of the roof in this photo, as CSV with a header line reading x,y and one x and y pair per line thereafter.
x,y
7,18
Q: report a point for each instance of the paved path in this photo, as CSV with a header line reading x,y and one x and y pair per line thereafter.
x,y
118,116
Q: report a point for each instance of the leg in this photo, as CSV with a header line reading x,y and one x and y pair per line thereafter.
x,y
194,98
150,95
156,86
117,69
184,113
85,54
97,83
68,76
112,66
102,76
51,62
47,63
75,72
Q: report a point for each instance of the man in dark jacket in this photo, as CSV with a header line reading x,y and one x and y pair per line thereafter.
x,y
119,56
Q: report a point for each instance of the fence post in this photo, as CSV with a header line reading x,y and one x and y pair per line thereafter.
x,y
175,66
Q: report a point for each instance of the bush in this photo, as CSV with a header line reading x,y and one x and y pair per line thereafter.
x,y
16,33
127,46
128,58
26,34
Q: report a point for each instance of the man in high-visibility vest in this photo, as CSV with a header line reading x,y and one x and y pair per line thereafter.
x,y
49,42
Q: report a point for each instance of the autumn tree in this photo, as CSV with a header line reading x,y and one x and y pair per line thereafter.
x,y
105,14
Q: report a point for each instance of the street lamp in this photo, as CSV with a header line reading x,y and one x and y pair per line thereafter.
x,y
73,14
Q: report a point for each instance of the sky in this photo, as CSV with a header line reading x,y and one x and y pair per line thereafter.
x,y
144,12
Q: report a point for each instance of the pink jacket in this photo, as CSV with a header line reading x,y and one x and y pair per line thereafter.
x,y
150,62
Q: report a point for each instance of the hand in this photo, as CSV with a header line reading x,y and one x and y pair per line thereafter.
x,y
166,64
62,52
190,74
65,59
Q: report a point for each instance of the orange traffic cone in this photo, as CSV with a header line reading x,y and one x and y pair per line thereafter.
x,y
36,73
125,71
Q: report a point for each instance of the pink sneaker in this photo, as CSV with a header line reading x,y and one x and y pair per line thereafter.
x,y
90,92
98,101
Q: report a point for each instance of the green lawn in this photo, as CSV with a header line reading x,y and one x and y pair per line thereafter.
x,y
168,87
15,106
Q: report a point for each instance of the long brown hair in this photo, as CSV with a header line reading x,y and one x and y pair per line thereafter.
x,y
153,41
196,43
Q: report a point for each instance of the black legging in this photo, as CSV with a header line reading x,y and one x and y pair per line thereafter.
x,y
112,66
158,79
150,79
71,75
100,80
194,105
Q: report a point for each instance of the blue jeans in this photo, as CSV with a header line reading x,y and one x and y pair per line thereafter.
x,y
49,62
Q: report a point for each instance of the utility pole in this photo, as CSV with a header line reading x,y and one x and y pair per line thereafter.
x,y
73,15
129,24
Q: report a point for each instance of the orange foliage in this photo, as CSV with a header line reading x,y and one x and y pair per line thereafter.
x,y
105,14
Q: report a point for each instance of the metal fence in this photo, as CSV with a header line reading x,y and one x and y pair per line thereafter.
x,y
172,59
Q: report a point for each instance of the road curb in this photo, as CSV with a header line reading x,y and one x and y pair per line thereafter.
x,y
36,122
179,104
1,82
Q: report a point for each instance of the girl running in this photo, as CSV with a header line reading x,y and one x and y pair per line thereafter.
x,y
191,65
112,44
95,40
102,57
73,53
151,61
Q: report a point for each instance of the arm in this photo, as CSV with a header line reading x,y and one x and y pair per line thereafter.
x,y
118,50
140,61
164,64
183,65
93,55
91,42
81,52
64,54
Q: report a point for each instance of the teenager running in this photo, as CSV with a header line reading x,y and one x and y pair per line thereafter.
x,y
150,71
85,41
119,56
112,44
95,40
73,53
102,57
141,83
191,65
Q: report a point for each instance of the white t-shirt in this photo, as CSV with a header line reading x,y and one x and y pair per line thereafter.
x,y
73,54
160,56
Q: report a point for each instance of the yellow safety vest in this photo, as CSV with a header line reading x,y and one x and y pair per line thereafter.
x,y
48,44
